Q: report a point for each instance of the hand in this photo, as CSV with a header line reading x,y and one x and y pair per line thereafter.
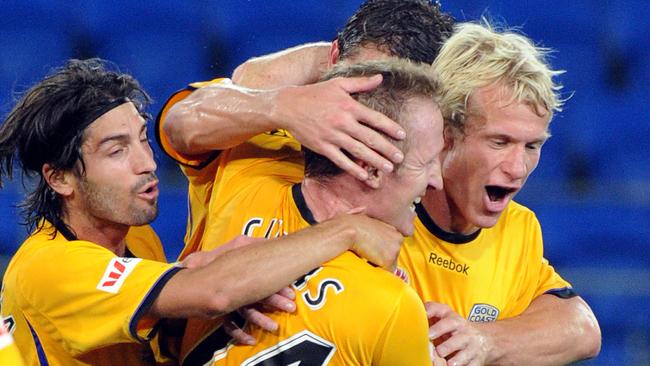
x,y
455,338
326,119
200,259
375,240
436,360
282,301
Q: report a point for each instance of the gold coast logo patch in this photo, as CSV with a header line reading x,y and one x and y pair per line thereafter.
x,y
483,313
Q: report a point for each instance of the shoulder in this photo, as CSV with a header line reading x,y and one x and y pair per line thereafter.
x,y
518,214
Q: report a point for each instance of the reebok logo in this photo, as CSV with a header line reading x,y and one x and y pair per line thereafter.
x,y
448,264
117,271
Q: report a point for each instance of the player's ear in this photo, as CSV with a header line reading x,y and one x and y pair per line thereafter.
x,y
60,181
333,56
375,176
450,135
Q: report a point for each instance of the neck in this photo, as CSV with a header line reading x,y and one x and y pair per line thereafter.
x,y
332,197
109,235
445,213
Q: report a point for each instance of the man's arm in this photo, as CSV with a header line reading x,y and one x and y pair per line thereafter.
x,y
323,117
253,272
300,65
551,331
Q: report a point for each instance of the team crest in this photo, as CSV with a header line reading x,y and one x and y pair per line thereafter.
x,y
481,313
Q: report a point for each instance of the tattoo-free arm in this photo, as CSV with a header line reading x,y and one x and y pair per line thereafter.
x,y
253,272
552,331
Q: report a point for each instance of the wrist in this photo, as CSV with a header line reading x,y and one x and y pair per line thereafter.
x,y
344,231
280,107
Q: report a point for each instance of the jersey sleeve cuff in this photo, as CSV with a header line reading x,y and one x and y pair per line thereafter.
x,y
144,306
562,293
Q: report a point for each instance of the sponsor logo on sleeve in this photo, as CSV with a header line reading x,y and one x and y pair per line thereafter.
x,y
483,313
117,271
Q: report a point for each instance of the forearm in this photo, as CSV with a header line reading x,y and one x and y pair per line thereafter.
x,y
299,65
251,273
552,331
218,117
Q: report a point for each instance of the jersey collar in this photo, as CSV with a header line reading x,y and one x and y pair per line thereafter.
x,y
454,238
299,199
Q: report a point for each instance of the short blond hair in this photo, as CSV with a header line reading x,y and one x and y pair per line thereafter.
x,y
477,55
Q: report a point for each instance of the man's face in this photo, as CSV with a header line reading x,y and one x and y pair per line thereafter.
x,y
486,167
393,201
119,185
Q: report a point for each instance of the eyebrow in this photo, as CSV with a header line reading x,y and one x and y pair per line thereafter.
x,y
118,137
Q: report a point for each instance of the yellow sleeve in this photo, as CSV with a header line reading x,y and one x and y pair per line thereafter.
x,y
544,278
90,297
551,282
405,339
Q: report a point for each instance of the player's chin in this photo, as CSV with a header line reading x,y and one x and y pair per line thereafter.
x,y
144,216
406,228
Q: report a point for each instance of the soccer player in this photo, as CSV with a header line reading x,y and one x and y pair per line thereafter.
x,y
474,249
348,312
90,284
548,325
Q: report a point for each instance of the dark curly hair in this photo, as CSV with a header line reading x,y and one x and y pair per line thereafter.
x,y
46,126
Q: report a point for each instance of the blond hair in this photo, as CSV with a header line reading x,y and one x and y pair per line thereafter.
x,y
477,55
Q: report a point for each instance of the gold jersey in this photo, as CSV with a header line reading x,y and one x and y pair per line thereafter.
x,y
348,313
492,274
73,302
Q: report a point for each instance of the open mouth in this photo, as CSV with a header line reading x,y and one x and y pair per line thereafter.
x,y
498,193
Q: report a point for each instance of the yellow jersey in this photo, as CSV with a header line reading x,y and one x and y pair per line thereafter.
x,y
73,302
203,171
361,314
348,313
492,274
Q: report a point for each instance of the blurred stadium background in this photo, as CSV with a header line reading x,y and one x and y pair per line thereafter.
x,y
591,190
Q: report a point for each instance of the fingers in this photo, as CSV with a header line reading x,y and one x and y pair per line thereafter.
x,y
437,310
279,302
364,152
256,317
237,334
288,293
367,115
336,156
444,326
359,84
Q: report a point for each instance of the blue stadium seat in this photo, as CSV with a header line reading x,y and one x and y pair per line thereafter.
x,y
34,37
595,234
254,28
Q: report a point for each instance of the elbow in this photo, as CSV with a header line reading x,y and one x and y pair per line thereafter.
x,y
240,72
592,338
590,333
177,128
